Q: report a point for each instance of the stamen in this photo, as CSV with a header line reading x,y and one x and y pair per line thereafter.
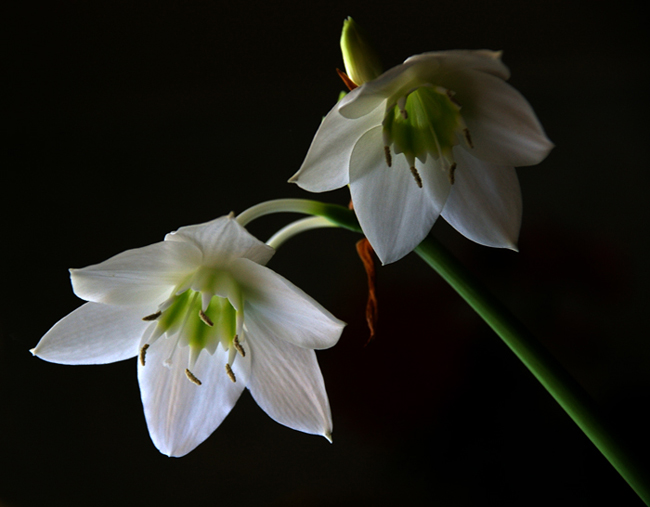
x,y
348,82
450,96
143,352
192,378
416,175
238,346
452,172
206,320
401,105
230,373
153,316
468,138
389,159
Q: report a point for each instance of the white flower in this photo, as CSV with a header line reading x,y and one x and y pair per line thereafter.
x,y
439,134
207,319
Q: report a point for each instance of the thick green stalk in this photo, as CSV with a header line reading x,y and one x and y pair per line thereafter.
x,y
566,391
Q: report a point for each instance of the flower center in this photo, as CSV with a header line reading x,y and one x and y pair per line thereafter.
x,y
200,321
424,122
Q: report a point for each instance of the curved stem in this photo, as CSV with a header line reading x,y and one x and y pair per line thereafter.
x,y
298,227
564,389
336,214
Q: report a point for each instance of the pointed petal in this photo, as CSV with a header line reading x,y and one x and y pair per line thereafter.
x,y
222,240
287,383
483,60
94,334
394,82
283,309
394,213
180,414
138,276
485,202
326,164
503,125
428,68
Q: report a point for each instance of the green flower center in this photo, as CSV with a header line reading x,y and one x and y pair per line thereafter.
x,y
424,122
185,318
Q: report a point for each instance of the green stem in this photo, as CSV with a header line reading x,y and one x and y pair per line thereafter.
x,y
566,391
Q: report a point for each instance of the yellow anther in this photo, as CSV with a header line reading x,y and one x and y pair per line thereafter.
x,y
153,316
143,352
416,175
468,138
230,373
452,173
452,98
206,320
238,346
389,159
192,378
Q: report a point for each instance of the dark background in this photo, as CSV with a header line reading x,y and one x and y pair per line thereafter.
x,y
125,120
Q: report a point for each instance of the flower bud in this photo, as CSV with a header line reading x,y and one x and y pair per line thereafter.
x,y
362,63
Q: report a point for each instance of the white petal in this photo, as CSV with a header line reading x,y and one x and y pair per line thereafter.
x,y
428,68
283,309
449,61
501,122
396,81
287,383
326,164
485,202
180,414
222,240
394,213
94,334
138,276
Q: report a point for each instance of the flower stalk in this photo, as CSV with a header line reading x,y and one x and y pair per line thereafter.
x,y
564,389
298,227
334,213
575,401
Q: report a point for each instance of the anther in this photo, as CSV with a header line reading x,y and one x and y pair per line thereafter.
x,y
452,99
452,173
143,352
238,346
153,316
230,373
468,138
192,378
389,159
416,175
206,320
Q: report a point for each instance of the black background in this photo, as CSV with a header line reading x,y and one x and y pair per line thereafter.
x,y
126,120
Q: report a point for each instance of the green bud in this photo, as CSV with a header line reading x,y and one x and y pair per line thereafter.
x,y
362,63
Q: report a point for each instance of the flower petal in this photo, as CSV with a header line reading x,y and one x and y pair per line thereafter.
x,y
482,60
180,414
283,309
396,81
222,240
428,68
94,334
326,165
287,383
394,213
502,124
138,276
485,202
